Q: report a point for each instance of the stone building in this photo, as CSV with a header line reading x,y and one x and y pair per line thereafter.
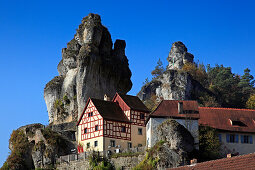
x,y
112,126
185,113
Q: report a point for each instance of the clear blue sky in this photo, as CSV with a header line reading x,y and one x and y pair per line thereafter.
x,y
32,34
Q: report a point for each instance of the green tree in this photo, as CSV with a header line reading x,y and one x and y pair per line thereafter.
x,y
209,144
247,86
224,84
250,104
159,69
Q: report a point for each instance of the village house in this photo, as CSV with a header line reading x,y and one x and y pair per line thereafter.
x,y
112,126
235,127
184,112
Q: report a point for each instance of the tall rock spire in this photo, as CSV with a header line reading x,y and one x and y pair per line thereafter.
x,y
90,67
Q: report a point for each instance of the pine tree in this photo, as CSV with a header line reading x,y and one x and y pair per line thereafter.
x,y
159,69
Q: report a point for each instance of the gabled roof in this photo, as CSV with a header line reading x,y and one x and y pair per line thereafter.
x,y
169,108
245,162
221,118
133,102
108,110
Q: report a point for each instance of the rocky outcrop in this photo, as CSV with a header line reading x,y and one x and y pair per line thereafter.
x,y
177,143
45,145
174,83
90,67
179,56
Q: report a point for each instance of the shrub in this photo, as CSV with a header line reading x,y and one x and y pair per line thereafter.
x,y
20,147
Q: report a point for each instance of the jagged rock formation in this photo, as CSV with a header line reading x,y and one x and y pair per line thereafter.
x,y
179,56
174,83
90,67
178,143
44,145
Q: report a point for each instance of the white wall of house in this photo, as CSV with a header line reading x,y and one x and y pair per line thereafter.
x,y
153,123
237,146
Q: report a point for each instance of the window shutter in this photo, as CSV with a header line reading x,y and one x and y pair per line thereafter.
x,y
251,141
219,135
228,138
242,140
236,138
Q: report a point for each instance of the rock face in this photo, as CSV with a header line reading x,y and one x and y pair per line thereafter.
x,y
90,67
178,143
44,145
179,56
173,84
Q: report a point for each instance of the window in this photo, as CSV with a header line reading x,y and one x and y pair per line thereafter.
x,y
129,145
90,114
88,145
246,139
112,143
85,130
96,128
232,138
142,116
237,123
219,135
140,145
140,131
123,129
95,144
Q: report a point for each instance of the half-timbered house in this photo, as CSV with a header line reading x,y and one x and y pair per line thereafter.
x,y
112,125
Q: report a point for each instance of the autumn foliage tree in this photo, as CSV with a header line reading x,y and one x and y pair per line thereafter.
x,y
159,69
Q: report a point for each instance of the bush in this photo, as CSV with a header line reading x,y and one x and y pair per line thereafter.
x,y
20,147
150,162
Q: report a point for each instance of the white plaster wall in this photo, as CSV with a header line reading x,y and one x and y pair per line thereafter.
x,y
242,148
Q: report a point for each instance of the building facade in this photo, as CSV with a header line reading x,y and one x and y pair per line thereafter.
x,y
235,127
184,112
112,125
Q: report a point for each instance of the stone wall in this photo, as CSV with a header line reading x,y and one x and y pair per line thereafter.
x,y
127,162
82,163
74,165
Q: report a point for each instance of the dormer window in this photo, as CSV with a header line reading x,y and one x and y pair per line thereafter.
x,y
237,123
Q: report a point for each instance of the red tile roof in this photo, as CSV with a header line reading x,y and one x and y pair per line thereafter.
x,y
245,162
133,102
110,110
169,108
220,118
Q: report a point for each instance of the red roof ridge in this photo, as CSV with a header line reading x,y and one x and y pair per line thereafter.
x,y
225,108
218,160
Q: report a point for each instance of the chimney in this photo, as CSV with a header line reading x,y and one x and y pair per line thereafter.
x,y
193,161
180,107
230,155
106,98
